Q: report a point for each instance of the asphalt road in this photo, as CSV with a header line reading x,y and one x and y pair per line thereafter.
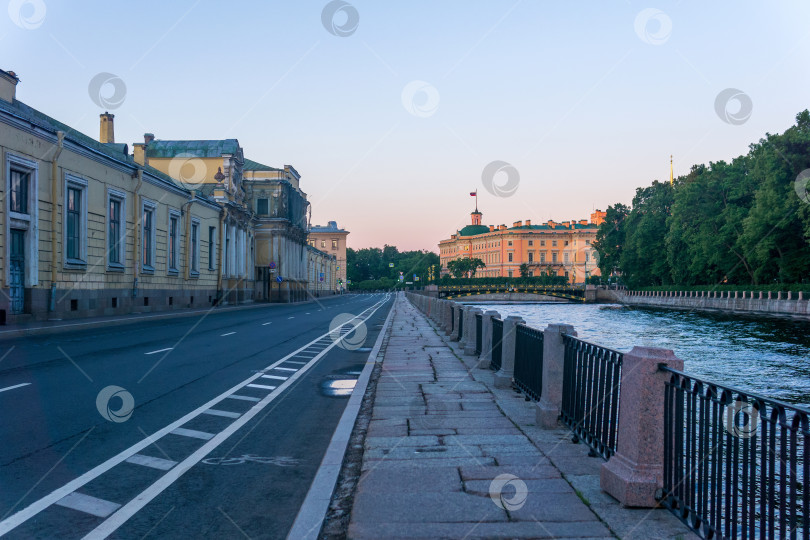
x,y
214,426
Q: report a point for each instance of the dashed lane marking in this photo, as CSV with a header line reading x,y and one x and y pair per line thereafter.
x,y
160,350
227,334
192,433
286,369
278,378
151,461
88,504
243,398
265,324
15,386
224,414
261,386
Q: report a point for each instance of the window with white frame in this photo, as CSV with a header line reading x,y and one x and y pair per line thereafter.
x,y
21,180
172,248
148,213
195,247
116,229
74,212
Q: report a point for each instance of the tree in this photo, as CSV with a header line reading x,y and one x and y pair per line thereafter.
x,y
610,238
524,270
464,267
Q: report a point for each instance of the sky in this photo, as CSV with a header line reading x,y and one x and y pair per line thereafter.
x,y
393,112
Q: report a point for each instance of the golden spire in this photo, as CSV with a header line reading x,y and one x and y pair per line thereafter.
x,y
671,174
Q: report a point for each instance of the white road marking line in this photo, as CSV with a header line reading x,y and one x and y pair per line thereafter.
x,y
160,350
43,503
15,386
193,433
306,313
265,324
151,461
275,377
225,414
112,523
89,505
261,386
243,398
227,334
288,318
294,362
286,369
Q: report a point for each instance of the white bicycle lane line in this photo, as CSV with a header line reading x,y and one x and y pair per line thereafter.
x,y
38,506
122,515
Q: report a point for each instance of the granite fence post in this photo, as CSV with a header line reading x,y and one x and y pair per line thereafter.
x,y
503,378
548,408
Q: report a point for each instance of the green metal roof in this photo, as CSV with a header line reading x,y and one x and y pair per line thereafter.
x,y
200,149
473,230
251,165
558,227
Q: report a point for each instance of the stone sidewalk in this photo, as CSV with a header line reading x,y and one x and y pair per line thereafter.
x,y
449,456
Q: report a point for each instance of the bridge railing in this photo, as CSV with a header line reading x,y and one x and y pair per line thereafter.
x,y
529,361
479,331
727,462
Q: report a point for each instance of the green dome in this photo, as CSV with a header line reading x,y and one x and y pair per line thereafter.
x,y
473,230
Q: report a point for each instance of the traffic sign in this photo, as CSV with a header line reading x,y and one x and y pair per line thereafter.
x,y
390,265
279,279
272,265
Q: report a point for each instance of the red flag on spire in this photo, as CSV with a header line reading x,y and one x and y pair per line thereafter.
x,y
473,193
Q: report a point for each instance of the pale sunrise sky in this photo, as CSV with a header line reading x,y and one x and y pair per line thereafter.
x,y
392,110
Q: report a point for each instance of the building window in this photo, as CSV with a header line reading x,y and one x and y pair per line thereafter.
x,y
542,257
75,226
510,257
20,182
149,209
565,257
587,257
542,242
510,273
566,242
554,258
531,242
323,243
262,207
211,247
553,243
115,230
174,236
334,243
195,246
509,243
531,257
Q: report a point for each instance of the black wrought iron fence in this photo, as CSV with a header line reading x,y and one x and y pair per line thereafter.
x,y
452,319
460,323
590,399
529,361
736,464
497,339
479,325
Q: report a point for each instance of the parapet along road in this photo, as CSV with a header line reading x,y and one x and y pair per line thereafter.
x,y
188,427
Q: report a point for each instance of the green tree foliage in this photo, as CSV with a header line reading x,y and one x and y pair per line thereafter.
x,y
370,268
465,267
742,222
524,270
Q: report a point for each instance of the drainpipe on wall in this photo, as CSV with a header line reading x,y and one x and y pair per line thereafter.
x,y
136,210
220,262
186,209
60,144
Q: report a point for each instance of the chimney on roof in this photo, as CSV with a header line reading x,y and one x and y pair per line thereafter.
x,y
8,85
566,224
517,224
491,228
502,227
107,131
139,154
148,137
551,223
528,223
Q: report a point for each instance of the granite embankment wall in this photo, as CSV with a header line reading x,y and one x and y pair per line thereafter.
x,y
783,304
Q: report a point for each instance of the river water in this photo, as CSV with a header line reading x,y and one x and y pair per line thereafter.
x,y
764,355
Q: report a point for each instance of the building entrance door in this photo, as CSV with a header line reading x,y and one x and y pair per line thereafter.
x,y
17,270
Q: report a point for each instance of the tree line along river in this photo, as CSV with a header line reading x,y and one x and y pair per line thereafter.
x,y
769,356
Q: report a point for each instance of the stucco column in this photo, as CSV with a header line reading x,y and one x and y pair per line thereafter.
x,y
486,338
548,408
503,378
472,328
636,471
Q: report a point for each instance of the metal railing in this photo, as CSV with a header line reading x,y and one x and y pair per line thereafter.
x,y
479,326
736,464
590,398
460,323
497,339
452,319
529,361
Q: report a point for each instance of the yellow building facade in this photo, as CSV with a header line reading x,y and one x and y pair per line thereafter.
x,y
562,249
331,239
